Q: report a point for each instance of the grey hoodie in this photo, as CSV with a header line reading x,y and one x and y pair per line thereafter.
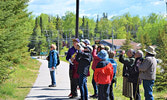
x,y
148,68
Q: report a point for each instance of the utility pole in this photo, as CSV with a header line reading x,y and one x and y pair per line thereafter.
x,y
166,6
77,18
112,40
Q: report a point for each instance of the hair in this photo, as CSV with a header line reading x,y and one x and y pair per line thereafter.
x,y
132,52
101,46
111,54
53,46
140,53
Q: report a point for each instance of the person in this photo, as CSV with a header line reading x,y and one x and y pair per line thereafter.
x,y
84,59
127,64
103,75
96,59
107,48
114,64
70,57
52,61
100,47
87,42
148,72
134,75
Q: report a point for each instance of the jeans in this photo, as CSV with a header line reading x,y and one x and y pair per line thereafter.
x,y
94,85
83,86
53,79
148,89
103,91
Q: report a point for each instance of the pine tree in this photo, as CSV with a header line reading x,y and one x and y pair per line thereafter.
x,y
161,80
126,46
15,29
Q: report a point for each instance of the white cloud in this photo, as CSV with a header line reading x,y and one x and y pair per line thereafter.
x,y
88,1
157,3
30,1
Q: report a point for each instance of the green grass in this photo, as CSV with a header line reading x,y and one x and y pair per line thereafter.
x,y
118,89
20,82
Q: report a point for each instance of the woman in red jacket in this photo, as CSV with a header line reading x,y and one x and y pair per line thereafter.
x,y
103,75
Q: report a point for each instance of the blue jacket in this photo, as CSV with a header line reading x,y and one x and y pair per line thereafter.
x,y
114,64
53,59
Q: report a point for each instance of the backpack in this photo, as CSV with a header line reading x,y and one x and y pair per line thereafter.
x,y
58,60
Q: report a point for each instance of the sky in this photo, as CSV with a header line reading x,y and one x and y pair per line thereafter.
x,y
92,8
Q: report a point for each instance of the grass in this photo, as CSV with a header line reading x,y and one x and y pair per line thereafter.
x,y
20,82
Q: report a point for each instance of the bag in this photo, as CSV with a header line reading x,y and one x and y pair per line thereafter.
x,y
58,60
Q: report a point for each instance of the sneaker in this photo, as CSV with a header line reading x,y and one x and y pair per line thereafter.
x,y
73,96
94,96
70,95
52,85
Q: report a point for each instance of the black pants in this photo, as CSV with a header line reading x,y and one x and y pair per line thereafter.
x,y
103,91
111,91
73,83
136,92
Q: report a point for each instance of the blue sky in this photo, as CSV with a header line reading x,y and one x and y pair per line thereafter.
x,y
92,8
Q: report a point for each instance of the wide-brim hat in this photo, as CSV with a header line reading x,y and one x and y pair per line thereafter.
x,y
150,50
103,54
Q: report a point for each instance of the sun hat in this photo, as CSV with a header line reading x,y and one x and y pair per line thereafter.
x,y
87,42
150,50
90,48
103,54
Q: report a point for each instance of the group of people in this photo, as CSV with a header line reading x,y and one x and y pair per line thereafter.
x,y
137,69
101,59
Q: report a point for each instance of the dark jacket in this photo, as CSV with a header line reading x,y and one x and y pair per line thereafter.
x,y
84,59
128,64
103,73
70,52
134,71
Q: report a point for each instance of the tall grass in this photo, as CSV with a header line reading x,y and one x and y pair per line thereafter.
x,y
20,82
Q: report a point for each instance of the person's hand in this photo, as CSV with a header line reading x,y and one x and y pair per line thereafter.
x,y
78,47
72,59
123,52
70,62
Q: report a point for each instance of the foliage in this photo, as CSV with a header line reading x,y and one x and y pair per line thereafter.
x,y
15,27
18,85
161,54
126,46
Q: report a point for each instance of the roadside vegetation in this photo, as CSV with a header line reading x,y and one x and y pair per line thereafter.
x,y
19,83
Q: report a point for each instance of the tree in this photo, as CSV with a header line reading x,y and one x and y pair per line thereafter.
x,y
161,54
15,29
126,46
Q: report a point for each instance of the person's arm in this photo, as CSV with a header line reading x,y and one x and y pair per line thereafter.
x,y
94,54
126,61
145,65
54,59
68,55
